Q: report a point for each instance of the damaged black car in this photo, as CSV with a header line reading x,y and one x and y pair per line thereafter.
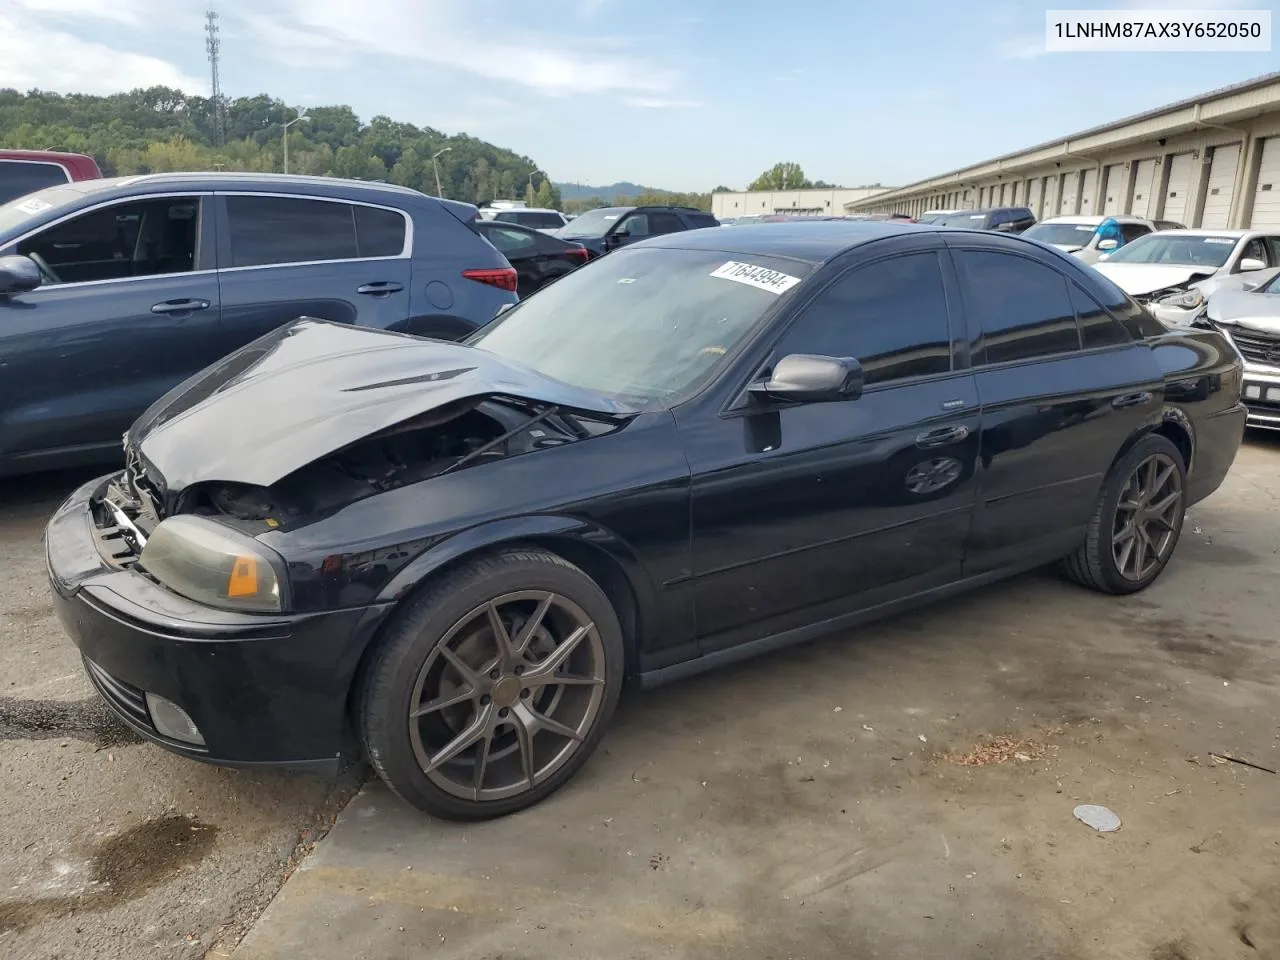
x,y
448,557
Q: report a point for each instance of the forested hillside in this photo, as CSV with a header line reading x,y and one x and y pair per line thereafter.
x,y
160,129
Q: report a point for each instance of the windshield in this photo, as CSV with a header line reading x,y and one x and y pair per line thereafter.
x,y
1181,250
970,219
643,324
593,223
15,214
1062,234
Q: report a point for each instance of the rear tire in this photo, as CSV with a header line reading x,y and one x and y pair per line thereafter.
x,y
1138,520
492,686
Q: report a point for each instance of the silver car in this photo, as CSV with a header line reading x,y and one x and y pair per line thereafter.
x,y
1251,319
1173,272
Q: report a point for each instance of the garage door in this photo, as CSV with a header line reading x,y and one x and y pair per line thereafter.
x,y
1144,189
1070,191
1114,199
1088,192
1033,197
1266,201
1220,186
1175,197
1051,196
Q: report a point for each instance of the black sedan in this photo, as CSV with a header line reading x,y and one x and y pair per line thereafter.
x,y
539,259
700,448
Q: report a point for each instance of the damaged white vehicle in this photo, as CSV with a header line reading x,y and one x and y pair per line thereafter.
x,y
1251,319
1174,272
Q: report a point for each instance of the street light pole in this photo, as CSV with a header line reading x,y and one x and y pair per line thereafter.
x,y
286,139
436,167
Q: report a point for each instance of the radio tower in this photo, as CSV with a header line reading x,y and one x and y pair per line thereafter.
x,y
211,44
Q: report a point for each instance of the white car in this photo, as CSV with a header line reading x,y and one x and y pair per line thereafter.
x,y
539,218
1084,237
1173,272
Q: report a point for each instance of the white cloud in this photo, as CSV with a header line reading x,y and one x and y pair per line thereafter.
x,y
441,32
660,103
120,11
35,55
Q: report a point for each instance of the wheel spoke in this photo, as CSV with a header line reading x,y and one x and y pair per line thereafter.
x,y
1162,506
501,638
482,761
1148,486
468,674
1161,479
544,672
1122,558
444,702
473,731
524,737
525,635
536,722
573,680
1139,554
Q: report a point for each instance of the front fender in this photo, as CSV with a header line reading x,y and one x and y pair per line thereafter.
x,y
514,529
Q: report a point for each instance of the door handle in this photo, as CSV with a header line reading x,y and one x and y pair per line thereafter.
x,y
180,306
1131,400
380,288
942,436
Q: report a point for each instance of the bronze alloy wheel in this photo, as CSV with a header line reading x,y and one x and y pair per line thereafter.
x,y
507,696
1146,517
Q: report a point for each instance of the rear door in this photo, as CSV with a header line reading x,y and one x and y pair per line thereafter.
x,y
283,256
1062,387
128,309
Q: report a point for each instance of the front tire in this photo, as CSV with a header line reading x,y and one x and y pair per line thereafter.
x,y
1138,520
492,687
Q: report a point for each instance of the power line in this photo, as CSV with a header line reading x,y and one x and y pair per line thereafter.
x,y
212,45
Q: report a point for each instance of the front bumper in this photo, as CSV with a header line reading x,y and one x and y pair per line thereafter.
x,y
1260,392
263,690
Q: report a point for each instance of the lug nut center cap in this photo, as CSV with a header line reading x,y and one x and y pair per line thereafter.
x,y
506,691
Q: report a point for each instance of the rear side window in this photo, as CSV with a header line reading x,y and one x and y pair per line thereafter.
x,y
533,218
508,240
20,177
1097,327
660,222
703,220
890,315
379,232
274,230
1132,231
1023,305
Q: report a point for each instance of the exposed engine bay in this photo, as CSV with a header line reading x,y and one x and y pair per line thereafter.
x,y
448,438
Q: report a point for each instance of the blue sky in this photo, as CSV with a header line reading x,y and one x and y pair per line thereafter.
x,y
678,95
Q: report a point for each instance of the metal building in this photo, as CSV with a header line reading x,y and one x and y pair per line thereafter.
x,y
823,202
1212,161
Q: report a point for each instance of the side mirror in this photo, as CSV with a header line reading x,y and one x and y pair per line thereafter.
x,y
1006,227
18,275
1103,256
1249,263
1250,286
1109,244
808,378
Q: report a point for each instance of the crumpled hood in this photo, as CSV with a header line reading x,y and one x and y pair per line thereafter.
x,y
312,387
1257,311
1136,279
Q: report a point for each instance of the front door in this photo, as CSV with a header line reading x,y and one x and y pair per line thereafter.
x,y
807,512
128,309
285,257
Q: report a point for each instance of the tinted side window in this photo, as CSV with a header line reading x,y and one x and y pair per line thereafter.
x,y
1097,327
703,220
266,230
636,225
17,179
664,223
508,240
135,239
1023,305
379,233
890,315
1132,231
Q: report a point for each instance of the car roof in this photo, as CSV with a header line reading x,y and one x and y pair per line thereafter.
x,y
52,156
1203,232
814,241
223,180
523,209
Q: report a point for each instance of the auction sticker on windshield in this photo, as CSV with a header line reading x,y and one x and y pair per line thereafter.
x,y
762,278
35,205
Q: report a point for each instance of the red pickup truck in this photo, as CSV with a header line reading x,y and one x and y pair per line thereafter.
x,y
23,171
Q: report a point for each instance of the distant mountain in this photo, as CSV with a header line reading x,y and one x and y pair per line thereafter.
x,y
580,191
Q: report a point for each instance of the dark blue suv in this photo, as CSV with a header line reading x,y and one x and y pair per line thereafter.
x,y
114,291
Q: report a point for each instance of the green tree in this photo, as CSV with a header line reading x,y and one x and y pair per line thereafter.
x,y
722,189
781,176
543,196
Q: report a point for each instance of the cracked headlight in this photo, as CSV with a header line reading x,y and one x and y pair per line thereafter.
x,y
210,564
1185,299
